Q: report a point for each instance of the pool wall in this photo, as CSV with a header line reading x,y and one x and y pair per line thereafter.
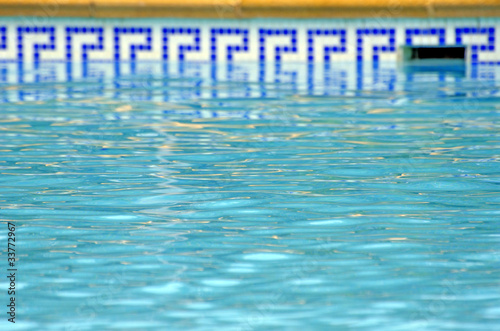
x,y
31,39
251,8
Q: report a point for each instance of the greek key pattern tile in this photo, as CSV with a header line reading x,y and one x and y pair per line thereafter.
x,y
325,41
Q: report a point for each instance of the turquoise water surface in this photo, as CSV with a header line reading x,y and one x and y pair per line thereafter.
x,y
251,197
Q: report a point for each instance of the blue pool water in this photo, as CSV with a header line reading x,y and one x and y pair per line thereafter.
x,y
251,197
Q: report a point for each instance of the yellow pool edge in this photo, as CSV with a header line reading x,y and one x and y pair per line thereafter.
x,y
251,8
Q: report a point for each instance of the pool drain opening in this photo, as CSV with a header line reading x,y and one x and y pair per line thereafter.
x,y
417,54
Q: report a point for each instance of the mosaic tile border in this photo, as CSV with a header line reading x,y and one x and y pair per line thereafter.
x,y
239,41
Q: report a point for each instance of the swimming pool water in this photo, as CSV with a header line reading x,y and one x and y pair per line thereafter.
x,y
251,197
